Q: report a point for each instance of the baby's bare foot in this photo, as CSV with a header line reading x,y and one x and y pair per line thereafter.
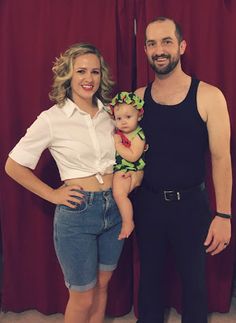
x,y
127,228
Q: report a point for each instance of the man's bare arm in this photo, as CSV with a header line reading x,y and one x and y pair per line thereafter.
x,y
213,106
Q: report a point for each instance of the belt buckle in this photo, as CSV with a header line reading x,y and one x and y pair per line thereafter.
x,y
171,196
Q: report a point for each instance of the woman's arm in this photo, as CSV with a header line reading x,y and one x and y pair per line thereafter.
x,y
25,177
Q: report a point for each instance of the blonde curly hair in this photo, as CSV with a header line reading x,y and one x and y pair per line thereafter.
x,y
63,69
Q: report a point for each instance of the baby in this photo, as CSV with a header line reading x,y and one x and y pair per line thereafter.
x,y
127,110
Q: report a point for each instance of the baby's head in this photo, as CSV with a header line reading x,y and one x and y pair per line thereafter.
x,y
127,110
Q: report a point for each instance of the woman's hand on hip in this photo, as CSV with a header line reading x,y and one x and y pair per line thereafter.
x,y
66,194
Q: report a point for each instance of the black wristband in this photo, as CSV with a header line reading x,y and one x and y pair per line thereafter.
x,y
224,215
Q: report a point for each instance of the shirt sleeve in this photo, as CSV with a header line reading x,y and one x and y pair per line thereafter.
x,y
37,138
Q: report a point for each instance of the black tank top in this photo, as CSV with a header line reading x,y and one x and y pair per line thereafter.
x,y
177,138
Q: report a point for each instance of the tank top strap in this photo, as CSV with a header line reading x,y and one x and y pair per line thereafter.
x,y
192,93
138,131
147,93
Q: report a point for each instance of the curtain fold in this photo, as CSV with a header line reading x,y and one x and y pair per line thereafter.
x,y
120,296
32,34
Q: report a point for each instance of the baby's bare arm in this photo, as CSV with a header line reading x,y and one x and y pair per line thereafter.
x,y
132,153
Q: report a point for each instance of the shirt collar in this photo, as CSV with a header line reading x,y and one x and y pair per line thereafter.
x,y
69,107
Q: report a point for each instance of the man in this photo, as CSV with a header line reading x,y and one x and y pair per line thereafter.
x,y
183,118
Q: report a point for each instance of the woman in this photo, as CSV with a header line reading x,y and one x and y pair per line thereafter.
x,y
78,132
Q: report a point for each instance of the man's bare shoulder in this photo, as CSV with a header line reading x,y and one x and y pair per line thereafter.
x,y
210,99
209,90
140,92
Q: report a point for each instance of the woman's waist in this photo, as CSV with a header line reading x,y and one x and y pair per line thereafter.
x,y
94,183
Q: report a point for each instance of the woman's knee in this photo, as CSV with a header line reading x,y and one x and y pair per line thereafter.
x,y
104,278
81,301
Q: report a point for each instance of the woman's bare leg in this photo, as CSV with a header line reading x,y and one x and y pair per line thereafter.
x,y
100,297
79,306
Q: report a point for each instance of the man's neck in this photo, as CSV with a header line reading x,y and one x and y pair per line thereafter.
x,y
171,80
171,89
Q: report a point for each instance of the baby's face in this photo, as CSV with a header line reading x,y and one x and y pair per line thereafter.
x,y
126,117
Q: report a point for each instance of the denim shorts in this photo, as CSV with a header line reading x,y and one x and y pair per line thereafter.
x,y
86,238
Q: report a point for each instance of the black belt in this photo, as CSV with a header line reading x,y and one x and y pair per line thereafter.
x,y
174,195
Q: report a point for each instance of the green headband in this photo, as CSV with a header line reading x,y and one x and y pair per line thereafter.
x,y
128,98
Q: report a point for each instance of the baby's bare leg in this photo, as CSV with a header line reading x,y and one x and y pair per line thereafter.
x,y
121,188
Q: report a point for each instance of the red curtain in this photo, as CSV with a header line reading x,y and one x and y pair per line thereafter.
x,y
32,34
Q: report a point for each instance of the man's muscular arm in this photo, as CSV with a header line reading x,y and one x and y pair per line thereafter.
x,y
212,106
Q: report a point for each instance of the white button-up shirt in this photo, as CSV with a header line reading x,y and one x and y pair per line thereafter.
x,y
81,146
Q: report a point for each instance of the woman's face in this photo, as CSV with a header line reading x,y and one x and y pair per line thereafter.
x,y
86,77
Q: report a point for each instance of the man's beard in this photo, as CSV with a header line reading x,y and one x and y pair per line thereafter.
x,y
168,68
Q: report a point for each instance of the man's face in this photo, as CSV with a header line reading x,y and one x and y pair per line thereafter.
x,y
162,47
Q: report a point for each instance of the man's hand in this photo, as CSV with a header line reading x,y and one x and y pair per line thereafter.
x,y
218,235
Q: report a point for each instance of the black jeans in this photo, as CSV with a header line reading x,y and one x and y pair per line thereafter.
x,y
184,225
